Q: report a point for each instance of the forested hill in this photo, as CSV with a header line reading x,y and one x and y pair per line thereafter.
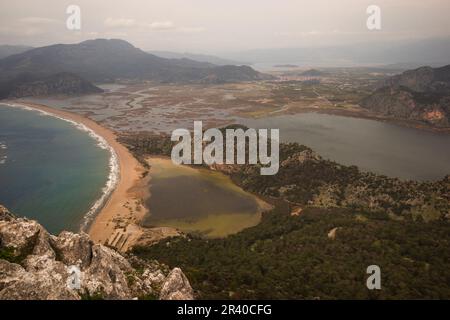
x,y
422,94
106,60
329,224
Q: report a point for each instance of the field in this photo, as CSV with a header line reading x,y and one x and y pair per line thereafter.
x,y
155,107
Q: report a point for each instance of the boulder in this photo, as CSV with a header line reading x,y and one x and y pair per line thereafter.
x,y
176,287
107,274
19,235
49,283
5,214
36,265
72,248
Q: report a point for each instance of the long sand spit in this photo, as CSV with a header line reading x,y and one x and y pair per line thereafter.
x,y
119,217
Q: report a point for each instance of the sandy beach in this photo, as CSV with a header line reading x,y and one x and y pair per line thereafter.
x,y
117,223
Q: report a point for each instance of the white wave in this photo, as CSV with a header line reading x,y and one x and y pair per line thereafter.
x,y
114,168
3,148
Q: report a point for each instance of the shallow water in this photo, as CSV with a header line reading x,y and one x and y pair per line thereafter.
x,y
53,172
384,148
198,200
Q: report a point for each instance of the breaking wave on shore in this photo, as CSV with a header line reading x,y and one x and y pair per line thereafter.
x,y
114,168
3,155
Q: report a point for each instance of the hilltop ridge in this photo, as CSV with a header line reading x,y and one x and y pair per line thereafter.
x,y
107,60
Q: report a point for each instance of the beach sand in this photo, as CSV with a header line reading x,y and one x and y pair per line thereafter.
x,y
117,223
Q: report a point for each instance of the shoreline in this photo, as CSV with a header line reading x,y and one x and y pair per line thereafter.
x,y
357,113
121,209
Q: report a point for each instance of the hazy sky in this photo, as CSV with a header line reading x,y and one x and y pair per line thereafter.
x,y
214,26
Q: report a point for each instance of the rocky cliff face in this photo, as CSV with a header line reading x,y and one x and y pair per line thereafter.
x,y
422,94
423,79
37,265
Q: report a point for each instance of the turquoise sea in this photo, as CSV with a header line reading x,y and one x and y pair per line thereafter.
x,y
50,170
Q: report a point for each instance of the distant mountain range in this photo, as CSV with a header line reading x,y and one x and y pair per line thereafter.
x,y
422,94
434,52
197,57
285,66
107,60
104,60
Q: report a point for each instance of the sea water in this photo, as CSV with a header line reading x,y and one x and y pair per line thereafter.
x,y
50,170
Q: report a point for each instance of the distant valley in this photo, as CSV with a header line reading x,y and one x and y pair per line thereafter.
x,y
197,57
421,95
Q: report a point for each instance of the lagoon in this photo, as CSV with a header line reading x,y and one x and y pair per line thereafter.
x,y
376,146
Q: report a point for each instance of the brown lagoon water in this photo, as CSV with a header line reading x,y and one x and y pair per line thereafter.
x,y
200,200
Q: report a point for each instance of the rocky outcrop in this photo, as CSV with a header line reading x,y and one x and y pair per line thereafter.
x,y
302,157
332,233
37,265
401,103
176,286
73,248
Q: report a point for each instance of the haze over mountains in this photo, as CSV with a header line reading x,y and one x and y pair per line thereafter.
x,y
421,94
197,57
404,55
104,60
411,54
